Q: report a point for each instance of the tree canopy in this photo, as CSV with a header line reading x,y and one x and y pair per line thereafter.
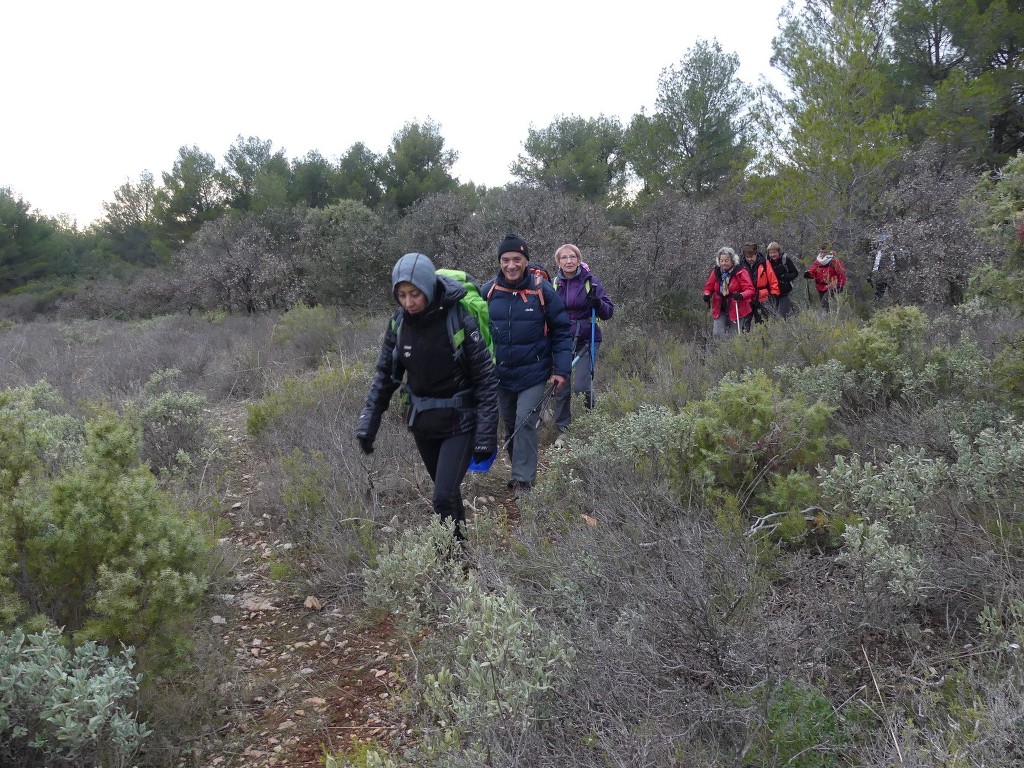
x,y
577,156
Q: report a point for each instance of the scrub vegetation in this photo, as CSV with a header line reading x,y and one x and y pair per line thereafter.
x,y
799,546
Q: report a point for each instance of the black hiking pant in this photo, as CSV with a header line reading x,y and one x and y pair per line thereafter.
x,y
446,460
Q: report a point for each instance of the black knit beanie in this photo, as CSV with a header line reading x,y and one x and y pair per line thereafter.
x,y
513,242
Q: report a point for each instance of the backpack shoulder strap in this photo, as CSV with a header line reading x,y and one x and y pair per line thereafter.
x,y
396,328
456,323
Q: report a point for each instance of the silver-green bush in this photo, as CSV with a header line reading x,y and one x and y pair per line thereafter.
x,y
61,706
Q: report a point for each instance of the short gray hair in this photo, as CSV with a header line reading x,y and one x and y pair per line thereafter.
x,y
728,252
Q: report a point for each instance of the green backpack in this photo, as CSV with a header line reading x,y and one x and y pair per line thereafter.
x,y
472,303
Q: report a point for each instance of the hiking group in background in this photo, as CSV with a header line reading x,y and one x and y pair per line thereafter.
x,y
586,302
771,283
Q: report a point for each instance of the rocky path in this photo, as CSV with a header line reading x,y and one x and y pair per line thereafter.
x,y
307,677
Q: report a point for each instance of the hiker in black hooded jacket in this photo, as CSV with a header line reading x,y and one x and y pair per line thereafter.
x,y
453,400
786,271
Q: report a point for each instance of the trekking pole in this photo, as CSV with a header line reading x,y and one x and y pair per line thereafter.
x,y
537,407
593,351
736,304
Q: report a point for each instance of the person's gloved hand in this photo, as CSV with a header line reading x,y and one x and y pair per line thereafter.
x,y
738,295
707,298
482,454
807,274
365,444
594,301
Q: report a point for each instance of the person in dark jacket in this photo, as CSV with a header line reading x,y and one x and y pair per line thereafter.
x,y
729,293
584,298
453,395
530,331
786,271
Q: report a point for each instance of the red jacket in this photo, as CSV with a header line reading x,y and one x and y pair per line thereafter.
x,y
766,283
831,276
738,281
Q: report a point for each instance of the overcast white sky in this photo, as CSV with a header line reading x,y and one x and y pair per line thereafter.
x,y
97,91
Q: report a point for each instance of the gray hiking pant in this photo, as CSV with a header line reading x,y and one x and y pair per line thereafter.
x,y
722,326
784,307
522,450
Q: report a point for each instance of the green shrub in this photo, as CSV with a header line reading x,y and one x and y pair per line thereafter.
x,y
296,395
66,707
311,331
501,668
307,485
35,438
746,430
887,351
175,429
412,578
990,467
826,382
36,443
801,730
904,506
1001,194
486,661
789,507
360,755
738,443
103,551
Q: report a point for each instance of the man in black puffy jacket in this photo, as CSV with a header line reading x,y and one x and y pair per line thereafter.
x,y
452,392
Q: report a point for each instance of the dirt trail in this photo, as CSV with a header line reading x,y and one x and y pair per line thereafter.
x,y
306,677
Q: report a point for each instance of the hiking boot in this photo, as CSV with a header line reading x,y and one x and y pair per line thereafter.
x,y
519,489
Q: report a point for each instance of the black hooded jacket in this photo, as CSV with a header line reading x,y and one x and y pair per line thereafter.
x,y
786,271
428,362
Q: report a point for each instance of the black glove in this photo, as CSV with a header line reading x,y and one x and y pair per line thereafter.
x,y
480,455
707,298
594,301
737,295
807,274
365,444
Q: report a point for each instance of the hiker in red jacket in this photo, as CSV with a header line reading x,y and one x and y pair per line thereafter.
x,y
729,293
828,273
766,284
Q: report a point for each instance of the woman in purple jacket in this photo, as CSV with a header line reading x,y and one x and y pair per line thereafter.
x,y
585,299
